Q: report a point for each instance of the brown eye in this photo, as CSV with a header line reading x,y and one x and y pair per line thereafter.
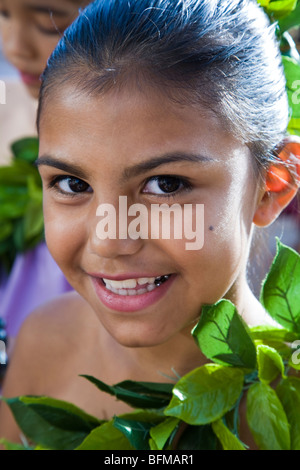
x,y
168,184
165,185
71,185
77,186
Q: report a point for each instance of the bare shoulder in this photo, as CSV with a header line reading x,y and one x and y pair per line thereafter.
x,y
46,349
50,339
57,320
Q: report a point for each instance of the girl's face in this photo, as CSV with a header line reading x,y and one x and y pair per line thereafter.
x,y
30,30
142,146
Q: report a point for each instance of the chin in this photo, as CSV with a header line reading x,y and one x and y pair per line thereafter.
x,y
33,91
137,337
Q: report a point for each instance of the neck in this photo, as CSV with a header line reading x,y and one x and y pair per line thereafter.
x,y
248,306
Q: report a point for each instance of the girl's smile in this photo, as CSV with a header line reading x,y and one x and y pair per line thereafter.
x,y
143,146
132,294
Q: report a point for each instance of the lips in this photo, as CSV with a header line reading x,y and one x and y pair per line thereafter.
x,y
132,293
30,79
133,286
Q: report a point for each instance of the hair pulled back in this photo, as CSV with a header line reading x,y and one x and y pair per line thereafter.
x,y
221,54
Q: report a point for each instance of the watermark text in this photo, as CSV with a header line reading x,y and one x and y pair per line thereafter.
x,y
2,92
161,221
296,354
296,94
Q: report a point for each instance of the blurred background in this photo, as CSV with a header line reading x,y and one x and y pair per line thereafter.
x,y
6,70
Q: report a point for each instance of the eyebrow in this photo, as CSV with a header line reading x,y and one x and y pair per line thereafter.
x,y
131,172
156,162
60,165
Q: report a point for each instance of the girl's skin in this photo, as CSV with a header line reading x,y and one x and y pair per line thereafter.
x,y
93,150
30,30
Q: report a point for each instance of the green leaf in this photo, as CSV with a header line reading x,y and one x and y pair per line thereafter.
x,y
33,221
20,209
52,423
136,427
270,363
198,438
268,333
206,394
223,337
267,419
49,402
277,338
12,208
152,444
16,173
6,229
290,21
294,360
227,439
280,293
278,8
105,437
288,392
137,394
137,432
162,432
292,73
294,129
26,149
264,3
12,446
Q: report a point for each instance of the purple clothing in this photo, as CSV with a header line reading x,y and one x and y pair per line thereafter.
x,y
34,280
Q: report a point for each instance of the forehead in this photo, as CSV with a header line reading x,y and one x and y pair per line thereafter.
x,y
130,124
41,5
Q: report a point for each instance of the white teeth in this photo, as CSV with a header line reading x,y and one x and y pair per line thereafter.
x,y
129,286
129,283
145,280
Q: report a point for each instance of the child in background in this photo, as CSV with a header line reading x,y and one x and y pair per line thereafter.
x,y
29,32
159,102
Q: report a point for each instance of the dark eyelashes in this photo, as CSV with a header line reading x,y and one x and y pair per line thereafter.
x,y
56,180
184,182
184,185
53,184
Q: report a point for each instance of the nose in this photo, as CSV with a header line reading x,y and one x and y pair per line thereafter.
x,y
18,43
110,238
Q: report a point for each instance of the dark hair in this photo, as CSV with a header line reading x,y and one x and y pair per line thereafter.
x,y
222,54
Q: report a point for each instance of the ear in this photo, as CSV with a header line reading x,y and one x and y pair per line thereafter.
x,y
282,181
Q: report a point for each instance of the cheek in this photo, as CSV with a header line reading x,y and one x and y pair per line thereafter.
x,y
208,273
65,235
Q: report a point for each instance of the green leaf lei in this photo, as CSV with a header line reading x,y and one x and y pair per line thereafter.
x,y
202,410
287,15
21,212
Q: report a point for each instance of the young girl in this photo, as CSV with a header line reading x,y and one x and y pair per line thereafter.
x,y
29,32
157,102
